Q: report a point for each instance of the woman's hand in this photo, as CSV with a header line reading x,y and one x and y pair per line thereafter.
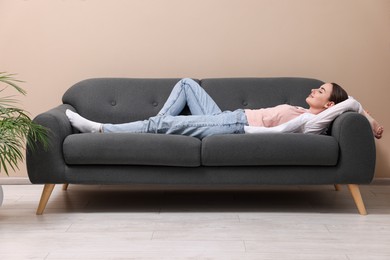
x,y
377,129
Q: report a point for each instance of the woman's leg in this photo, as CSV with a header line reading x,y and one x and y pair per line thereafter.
x,y
132,127
87,126
198,126
187,91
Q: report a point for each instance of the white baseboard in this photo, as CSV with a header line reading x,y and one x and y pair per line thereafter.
x,y
14,181
381,181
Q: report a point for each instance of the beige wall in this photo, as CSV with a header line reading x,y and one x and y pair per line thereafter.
x,y
52,44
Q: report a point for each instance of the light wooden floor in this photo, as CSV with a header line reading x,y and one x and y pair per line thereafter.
x,y
122,222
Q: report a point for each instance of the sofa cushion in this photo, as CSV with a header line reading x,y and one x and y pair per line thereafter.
x,y
132,149
269,149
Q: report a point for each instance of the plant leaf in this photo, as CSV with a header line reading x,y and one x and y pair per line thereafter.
x,y
16,128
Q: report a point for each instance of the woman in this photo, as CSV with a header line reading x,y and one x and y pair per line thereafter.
x,y
207,118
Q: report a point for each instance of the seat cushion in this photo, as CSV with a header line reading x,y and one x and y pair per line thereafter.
x,y
269,149
132,149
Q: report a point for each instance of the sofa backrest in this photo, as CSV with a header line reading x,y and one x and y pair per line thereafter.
x,y
253,93
120,100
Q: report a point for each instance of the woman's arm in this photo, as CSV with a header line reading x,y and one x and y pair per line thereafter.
x,y
317,124
377,129
320,122
309,123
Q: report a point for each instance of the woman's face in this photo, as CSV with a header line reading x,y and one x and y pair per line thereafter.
x,y
319,98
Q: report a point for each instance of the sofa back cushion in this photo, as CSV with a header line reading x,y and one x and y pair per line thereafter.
x,y
121,100
253,93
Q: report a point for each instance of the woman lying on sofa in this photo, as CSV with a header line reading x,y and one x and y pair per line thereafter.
x,y
325,104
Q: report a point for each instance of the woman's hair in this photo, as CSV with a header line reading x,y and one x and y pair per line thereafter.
x,y
338,94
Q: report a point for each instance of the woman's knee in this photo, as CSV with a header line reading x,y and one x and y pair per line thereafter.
x,y
188,81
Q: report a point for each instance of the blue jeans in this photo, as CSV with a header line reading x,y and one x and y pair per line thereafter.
x,y
206,119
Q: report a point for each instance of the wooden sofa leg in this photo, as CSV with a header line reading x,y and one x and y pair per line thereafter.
x,y
47,190
65,186
357,197
337,187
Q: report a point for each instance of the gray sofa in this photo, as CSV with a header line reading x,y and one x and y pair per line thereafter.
x,y
346,155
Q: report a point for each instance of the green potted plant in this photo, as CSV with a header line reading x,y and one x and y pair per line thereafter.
x,y
16,128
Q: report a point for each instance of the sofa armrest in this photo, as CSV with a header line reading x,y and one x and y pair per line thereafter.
x,y
48,165
357,148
